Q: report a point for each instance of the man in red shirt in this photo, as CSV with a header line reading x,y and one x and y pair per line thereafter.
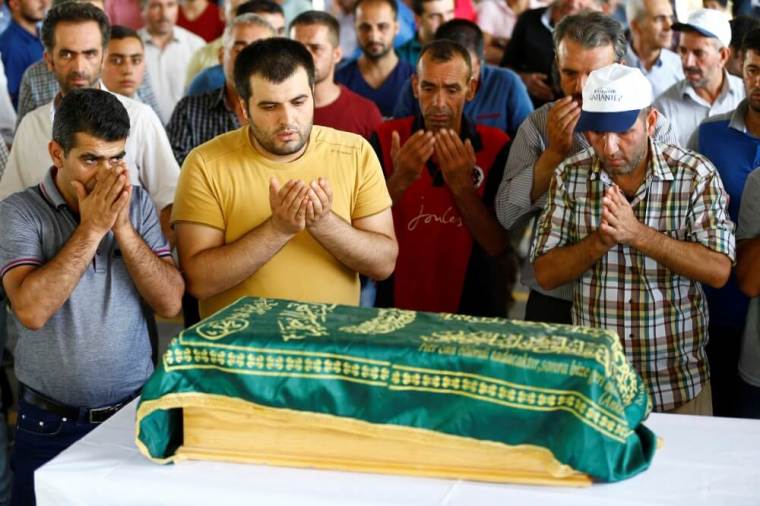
x,y
334,105
442,173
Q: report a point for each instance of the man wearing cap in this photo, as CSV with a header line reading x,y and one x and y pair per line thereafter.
x,y
708,89
636,226
584,42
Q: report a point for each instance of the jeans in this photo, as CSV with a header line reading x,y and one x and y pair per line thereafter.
x,y
40,436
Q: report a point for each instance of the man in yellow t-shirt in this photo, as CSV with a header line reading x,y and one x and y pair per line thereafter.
x,y
281,208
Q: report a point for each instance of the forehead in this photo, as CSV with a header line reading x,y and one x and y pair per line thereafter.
x,y
77,36
275,19
437,6
694,40
374,12
158,3
452,71
128,45
658,7
571,54
263,90
311,33
752,57
249,33
90,144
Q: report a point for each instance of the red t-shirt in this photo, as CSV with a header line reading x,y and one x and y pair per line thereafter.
x,y
208,25
351,113
463,9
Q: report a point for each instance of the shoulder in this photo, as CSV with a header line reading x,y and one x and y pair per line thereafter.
x,y
717,122
188,38
347,95
752,186
20,206
138,111
671,95
324,136
400,125
34,122
499,76
201,101
685,163
221,147
735,83
576,165
492,135
347,68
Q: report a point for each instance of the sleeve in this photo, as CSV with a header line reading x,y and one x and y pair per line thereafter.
x,y
749,210
519,105
513,204
21,244
663,131
693,144
12,179
149,224
372,194
179,132
555,225
406,105
708,222
157,167
25,99
198,199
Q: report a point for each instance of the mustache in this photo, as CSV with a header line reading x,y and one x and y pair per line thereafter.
x,y
78,75
696,70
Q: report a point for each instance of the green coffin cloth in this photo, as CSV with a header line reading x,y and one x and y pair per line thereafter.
x,y
567,389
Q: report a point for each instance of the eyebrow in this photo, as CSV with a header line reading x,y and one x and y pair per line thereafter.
x,y
270,102
118,156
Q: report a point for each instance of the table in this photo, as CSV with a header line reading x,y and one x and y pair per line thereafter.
x,y
705,461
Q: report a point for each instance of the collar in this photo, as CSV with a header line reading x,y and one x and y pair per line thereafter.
x,y
658,166
687,90
20,29
146,37
546,19
57,100
634,59
49,190
737,117
468,130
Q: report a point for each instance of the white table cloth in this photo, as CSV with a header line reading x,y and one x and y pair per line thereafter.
x,y
705,461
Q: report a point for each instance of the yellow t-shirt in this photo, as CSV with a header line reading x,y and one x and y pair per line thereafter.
x,y
224,184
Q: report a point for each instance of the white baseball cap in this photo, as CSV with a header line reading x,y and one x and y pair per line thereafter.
x,y
613,96
707,22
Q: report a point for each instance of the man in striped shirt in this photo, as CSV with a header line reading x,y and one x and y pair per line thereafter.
x,y
636,226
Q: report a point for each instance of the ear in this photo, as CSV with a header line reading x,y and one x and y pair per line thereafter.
x,y
415,83
652,121
48,60
243,107
337,55
56,154
472,88
725,54
220,55
397,28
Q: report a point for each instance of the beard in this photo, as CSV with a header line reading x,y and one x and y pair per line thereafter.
x,y
378,53
66,82
270,143
753,99
626,168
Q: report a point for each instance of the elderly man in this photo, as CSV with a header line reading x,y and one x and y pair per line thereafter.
x,y
584,42
650,23
281,208
39,85
81,251
501,99
442,171
168,49
200,118
530,51
636,226
708,89
731,141
75,36
378,75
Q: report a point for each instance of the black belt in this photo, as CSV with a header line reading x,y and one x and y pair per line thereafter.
x,y
93,415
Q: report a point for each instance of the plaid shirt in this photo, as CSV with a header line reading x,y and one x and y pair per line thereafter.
x,y
660,316
197,119
39,86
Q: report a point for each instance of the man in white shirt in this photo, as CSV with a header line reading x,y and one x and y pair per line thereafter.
x,y
708,89
168,50
75,37
651,23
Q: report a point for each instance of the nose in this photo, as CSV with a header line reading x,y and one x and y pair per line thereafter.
x,y
688,59
580,82
439,97
610,143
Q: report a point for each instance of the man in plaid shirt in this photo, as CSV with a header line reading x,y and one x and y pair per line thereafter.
x,y
638,225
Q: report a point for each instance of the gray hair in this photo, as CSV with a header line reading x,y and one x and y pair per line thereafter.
x,y
244,20
634,10
592,29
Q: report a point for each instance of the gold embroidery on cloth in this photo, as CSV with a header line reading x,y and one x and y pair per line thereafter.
x,y
386,321
299,321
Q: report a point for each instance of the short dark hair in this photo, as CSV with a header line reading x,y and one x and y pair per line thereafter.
x,y
319,18
389,3
275,59
119,32
592,29
740,27
418,6
751,41
465,33
91,111
259,7
443,50
73,12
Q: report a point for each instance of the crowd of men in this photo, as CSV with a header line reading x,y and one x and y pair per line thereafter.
x,y
164,157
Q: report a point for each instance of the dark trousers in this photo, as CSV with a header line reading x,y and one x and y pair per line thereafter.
x,y
40,436
543,308
748,405
723,350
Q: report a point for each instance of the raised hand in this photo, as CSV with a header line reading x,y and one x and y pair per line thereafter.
x,y
456,159
563,116
617,213
409,159
288,203
319,203
538,86
100,208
